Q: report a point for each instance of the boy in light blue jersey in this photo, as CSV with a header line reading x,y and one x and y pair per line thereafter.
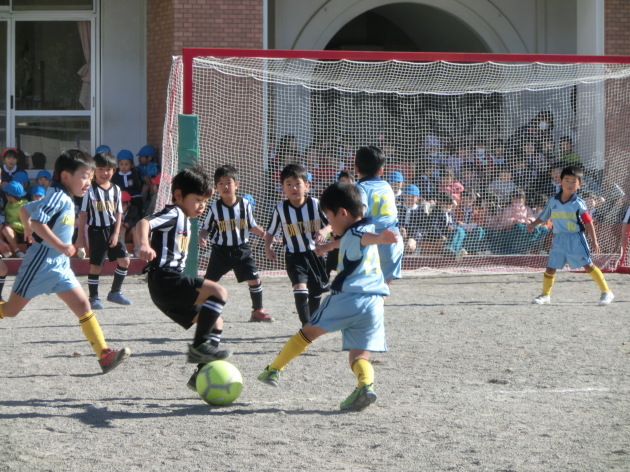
x,y
355,306
571,219
49,225
380,204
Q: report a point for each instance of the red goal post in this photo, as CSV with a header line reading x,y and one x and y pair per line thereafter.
x,y
605,148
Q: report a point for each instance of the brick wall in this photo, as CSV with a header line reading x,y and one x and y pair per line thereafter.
x,y
174,24
617,28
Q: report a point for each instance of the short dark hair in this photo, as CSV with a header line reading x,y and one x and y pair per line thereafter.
x,y
294,170
193,180
342,195
369,160
71,160
344,174
225,171
105,159
444,198
575,171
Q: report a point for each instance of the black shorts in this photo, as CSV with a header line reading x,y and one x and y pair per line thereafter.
x,y
236,258
175,294
98,239
307,267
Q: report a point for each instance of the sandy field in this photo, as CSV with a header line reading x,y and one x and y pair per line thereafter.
x,y
476,379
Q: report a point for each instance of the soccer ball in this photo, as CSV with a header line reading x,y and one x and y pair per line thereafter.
x,y
219,383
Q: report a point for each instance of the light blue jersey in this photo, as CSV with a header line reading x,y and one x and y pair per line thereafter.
x,y
359,269
380,202
567,217
569,245
355,306
380,205
45,269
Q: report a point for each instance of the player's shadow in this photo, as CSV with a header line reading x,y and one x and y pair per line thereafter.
x,y
103,417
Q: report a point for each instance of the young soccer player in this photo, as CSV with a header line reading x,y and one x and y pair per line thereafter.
x,y
128,178
570,219
177,295
303,225
380,204
355,306
101,210
49,223
229,222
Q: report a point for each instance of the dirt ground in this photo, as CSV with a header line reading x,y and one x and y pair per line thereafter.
x,y
476,379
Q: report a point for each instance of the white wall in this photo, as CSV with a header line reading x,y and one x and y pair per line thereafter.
x,y
514,26
123,96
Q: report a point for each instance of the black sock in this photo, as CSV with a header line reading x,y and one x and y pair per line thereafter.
x,y
301,303
93,284
215,337
255,292
208,316
119,278
3,278
314,302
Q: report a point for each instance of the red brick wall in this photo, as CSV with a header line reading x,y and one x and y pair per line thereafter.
x,y
617,29
174,24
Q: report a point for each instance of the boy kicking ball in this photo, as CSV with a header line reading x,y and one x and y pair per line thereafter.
x,y
49,224
355,306
571,219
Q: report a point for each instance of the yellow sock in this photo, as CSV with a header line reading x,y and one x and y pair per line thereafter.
x,y
598,277
1,310
92,332
364,372
295,346
548,280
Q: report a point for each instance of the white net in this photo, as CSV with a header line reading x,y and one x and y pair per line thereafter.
x,y
491,136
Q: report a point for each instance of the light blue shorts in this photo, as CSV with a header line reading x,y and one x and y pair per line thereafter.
x,y
40,273
391,256
359,317
569,248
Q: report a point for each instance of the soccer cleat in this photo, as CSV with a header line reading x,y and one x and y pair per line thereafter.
x,y
261,315
542,300
205,353
606,298
192,381
360,399
118,297
270,376
96,303
111,358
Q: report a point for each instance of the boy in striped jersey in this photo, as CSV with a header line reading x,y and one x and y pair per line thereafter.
x,y
303,225
49,224
229,222
176,294
101,210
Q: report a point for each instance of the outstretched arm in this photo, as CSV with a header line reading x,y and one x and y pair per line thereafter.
x,y
386,237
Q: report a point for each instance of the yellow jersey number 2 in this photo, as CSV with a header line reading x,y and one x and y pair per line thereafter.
x,y
382,205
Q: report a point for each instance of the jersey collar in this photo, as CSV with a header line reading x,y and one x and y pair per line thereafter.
x,y
559,197
370,178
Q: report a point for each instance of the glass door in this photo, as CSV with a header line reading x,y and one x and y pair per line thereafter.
x,y
52,102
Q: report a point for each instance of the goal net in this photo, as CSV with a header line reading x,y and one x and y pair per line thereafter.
x,y
489,134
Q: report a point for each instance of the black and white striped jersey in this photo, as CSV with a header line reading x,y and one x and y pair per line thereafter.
x,y
229,225
102,205
170,235
298,225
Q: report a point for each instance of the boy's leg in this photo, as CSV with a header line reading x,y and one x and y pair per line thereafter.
x,y
77,302
13,306
9,234
256,294
300,294
120,273
548,279
205,346
364,395
93,279
596,274
4,270
295,346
